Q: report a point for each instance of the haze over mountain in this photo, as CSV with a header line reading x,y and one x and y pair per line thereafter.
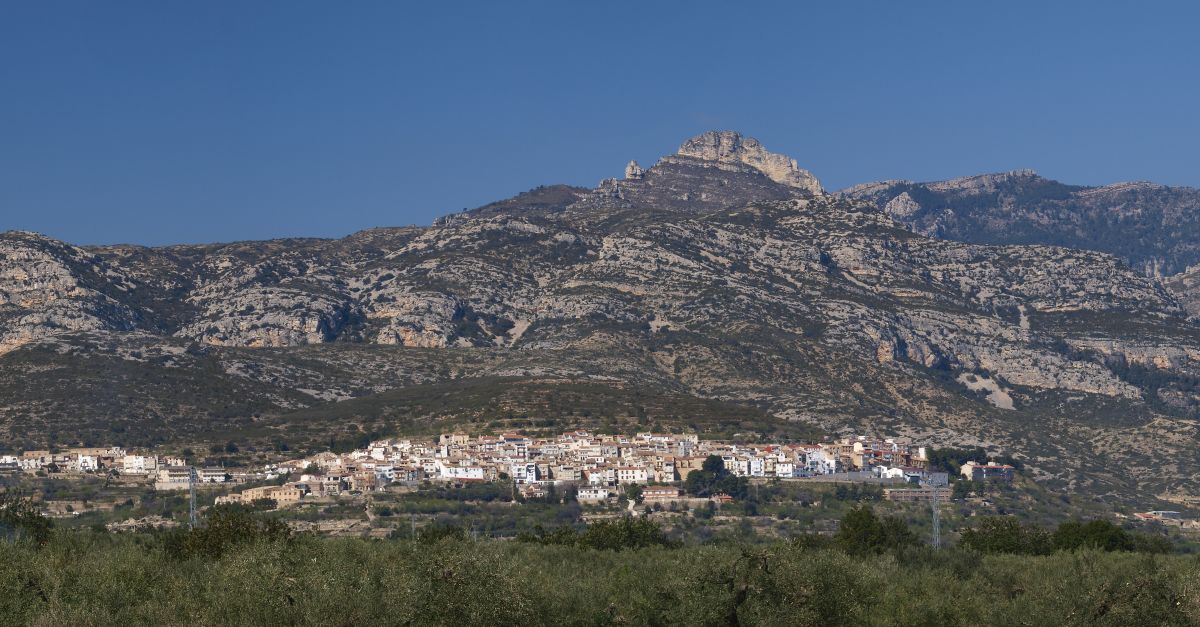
x,y
720,288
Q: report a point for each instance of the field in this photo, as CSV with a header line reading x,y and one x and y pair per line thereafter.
x,y
86,579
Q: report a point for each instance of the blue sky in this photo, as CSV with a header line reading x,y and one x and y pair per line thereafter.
x,y
160,121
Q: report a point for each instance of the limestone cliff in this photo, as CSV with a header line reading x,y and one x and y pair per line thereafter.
x,y
731,147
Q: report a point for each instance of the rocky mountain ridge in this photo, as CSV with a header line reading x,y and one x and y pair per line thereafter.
x,y
1154,228
702,277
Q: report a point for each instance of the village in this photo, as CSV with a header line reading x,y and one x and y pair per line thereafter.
x,y
600,470
601,467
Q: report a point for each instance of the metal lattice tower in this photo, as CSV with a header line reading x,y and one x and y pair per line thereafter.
x,y
933,485
937,517
192,480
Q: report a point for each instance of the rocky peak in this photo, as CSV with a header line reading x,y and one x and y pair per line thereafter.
x,y
984,183
731,147
715,170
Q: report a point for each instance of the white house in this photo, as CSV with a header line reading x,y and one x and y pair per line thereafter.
x,y
524,473
889,473
139,464
632,474
469,473
385,473
820,462
593,493
212,474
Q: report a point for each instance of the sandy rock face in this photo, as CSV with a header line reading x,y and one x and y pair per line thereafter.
x,y
414,319
260,316
1186,287
47,287
731,147
901,207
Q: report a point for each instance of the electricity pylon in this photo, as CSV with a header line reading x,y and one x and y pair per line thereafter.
x,y
937,517
935,539
192,480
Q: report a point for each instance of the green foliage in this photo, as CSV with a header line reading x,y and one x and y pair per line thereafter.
x,y
20,518
1005,534
434,533
454,581
713,479
861,531
962,489
858,492
950,459
225,529
339,582
1094,534
626,532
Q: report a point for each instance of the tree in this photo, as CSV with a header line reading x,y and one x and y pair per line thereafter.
x,y
21,518
1095,534
226,527
432,534
1005,534
861,531
951,459
612,535
713,478
713,464
964,488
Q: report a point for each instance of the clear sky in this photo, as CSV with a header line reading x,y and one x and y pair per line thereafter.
x,y
167,121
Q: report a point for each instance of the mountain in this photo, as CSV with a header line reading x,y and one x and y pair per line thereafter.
x,y
1154,228
719,290
1186,287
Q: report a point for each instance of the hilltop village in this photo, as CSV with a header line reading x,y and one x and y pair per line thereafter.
x,y
605,474
600,467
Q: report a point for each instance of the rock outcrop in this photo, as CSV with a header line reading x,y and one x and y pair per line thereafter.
x,y
48,287
731,147
1151,227
710,171
1186,287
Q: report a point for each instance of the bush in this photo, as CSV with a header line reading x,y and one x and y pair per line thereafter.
x,y
225,528
1004,534
431,534
612,535
1095,534
85,578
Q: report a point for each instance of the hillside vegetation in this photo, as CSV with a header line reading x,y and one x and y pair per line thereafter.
x,y
86,579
